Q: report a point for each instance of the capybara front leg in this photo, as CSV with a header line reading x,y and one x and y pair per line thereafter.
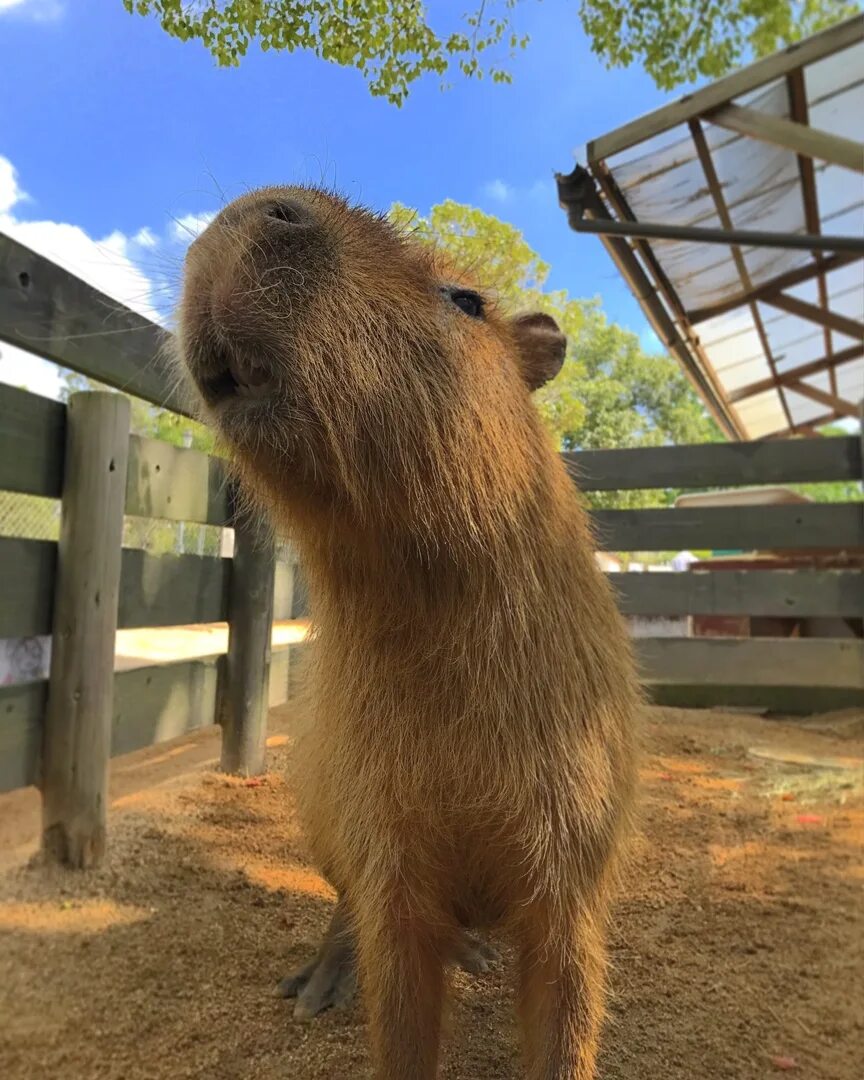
x,y
330,978
561,997
402,975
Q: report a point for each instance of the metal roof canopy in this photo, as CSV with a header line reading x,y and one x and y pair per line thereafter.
x,y
736,216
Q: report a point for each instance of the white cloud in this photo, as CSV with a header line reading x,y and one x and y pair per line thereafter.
x,y
38,10
146,238
10,192
185,229
108,264
498,190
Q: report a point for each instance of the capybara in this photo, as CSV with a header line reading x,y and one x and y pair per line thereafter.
x,y
469,761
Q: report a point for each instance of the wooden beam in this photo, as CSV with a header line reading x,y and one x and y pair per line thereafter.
x,y
799,110
807,428
786,378
717,195
732,464
789,135
812,313
772,286
78,718
794,593
802,526
753,661
177,483
840,406
764,71
52,313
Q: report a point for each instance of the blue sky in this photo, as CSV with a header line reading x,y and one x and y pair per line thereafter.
x,y
113,130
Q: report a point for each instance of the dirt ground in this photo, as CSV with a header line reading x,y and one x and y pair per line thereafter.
x,y
738,946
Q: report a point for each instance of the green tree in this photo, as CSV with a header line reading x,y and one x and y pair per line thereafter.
x,y
393,42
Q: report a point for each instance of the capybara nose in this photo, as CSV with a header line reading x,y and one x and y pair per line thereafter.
x,y
289,213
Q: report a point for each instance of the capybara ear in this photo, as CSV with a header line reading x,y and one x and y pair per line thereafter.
x,y
541,346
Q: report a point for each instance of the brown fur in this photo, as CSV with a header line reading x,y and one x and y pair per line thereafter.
x,y
470,759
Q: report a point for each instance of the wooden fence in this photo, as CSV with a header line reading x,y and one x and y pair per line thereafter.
x,y
59,733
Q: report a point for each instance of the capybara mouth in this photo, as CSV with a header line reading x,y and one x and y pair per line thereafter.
x,y
236,376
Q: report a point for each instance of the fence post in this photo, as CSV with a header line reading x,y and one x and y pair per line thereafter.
x,y
77,735
250,615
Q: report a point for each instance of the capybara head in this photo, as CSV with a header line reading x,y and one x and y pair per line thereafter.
x,y
354,371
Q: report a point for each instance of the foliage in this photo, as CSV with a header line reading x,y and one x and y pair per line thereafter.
x,y
609,392
677,41
393,42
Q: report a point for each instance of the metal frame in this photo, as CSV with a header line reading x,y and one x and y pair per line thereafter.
x,y
596,204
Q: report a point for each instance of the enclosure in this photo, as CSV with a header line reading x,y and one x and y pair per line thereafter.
x,y
160,961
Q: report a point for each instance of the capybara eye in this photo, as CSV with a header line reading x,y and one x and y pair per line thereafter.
x,y
468,301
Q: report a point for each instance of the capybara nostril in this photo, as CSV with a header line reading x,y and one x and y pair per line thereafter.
x,y
288,212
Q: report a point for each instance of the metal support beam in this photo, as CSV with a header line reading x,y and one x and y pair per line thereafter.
x,y
649,230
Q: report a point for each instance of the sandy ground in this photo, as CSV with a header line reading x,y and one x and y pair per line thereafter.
x,y
738,946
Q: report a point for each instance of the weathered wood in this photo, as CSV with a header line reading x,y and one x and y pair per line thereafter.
x,y
802,662
172,590
166,481
790,135
55,314
167,590
790,593
32,440
786,280
792,700
27,569
731,86
716,464
21,711
153,704
831,320
243,709
839,406
736,528
283,591
787,378
279,685
78,718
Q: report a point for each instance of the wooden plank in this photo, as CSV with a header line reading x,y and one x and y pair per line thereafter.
x,y
78,717
55,314
283,591
167,590
172,590
32,440
21,711
790,135
243,707
789,593
832,320
786,378
839,406
27,569
716,464
279,686
166,481
773,285
153,704
791,700
731,86
835,526
810,662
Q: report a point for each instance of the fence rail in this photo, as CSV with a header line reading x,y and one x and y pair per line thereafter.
x,y
50,312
